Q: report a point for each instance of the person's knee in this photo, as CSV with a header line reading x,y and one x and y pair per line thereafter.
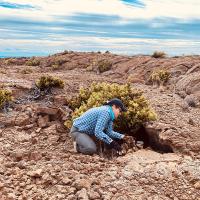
x,y
89,150
85,144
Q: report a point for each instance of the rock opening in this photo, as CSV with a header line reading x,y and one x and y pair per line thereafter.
x,y
150,138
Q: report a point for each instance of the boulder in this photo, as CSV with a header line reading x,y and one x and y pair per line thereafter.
x,y
22,119
189,84
46,110
60,100
191,100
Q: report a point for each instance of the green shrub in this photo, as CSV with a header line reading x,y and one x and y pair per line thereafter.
x,y
91,66
159,77
33,62
159,54
103,65
9,61
46,82
99,66
65,52
98,93
5,96
56,64
26,71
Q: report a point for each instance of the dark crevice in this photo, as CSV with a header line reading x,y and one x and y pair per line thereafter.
x,y
151,139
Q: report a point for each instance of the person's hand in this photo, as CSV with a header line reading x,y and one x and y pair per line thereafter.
x,y
128,140
115,146
128,143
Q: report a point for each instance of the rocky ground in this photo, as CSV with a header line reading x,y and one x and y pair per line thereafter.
x,y
37,160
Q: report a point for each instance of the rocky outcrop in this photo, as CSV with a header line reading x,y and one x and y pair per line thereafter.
x,y
190,85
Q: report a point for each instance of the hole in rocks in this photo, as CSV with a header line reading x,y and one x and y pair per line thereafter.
x,y
149,138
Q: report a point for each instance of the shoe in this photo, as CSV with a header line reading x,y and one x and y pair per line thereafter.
x,y
74,144
76,148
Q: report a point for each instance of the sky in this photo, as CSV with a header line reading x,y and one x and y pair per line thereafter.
x,y
130,27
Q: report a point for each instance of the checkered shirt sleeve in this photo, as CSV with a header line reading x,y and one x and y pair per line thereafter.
x,y
112,133
102,121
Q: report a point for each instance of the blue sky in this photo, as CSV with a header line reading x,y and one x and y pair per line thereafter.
x,y
43,27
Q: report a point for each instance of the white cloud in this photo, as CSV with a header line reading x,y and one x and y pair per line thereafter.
x,y
53,41
181,9
116,45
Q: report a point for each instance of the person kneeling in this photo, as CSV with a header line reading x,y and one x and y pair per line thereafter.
x,y
97,122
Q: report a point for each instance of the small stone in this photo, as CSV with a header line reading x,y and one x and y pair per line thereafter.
x,y
7,120
22,120
66,180
35,156
46,178
34,140
22,184
29,110
50,130
184,106
71,190
197,185
82,194
94,195
191,121
60,100
190,100
9,164
29,126
23,137
36,174
140,144
11,196
82,183
38,130
21,164
70,197
43,121
1,133
113,190
1,185
182,94
18,156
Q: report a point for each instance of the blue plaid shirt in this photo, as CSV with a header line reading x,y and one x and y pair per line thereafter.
x,y
99,122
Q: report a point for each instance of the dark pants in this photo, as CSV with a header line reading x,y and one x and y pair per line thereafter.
x,y
84,143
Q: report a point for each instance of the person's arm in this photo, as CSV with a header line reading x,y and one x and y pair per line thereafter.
x,y
113,134
102,120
